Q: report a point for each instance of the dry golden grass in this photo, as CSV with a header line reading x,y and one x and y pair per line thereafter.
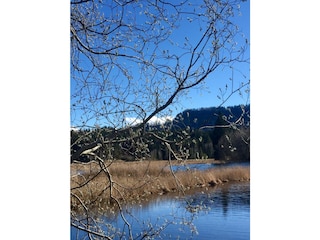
x,y
136,180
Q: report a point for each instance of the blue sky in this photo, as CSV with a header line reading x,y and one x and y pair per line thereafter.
x,y
203,95
241,73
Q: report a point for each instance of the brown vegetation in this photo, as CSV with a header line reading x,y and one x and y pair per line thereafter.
x,y
132,181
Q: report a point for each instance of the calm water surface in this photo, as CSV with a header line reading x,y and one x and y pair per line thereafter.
x,y
202,166
222,212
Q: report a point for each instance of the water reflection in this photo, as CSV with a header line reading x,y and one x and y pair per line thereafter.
x,y
222,196
225,200
222,212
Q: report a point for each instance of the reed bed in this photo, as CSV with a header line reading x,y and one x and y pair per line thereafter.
x,y
132,181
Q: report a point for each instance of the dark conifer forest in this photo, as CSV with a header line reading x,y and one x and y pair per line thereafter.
x,y
221,133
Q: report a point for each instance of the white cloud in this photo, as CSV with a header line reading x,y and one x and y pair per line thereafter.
x,y
132,121
74,129
154,120
160,120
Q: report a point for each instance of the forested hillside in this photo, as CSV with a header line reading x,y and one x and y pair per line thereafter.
x,y
221,133
197,118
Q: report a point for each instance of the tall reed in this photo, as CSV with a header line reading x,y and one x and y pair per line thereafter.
x,y
135,180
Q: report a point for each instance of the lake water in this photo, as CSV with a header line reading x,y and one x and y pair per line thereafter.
x,y
221,212
201,166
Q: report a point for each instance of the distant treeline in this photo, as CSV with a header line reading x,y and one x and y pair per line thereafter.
x,y
198,118
219,133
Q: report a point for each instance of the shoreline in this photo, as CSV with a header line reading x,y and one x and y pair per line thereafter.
x,y
139,180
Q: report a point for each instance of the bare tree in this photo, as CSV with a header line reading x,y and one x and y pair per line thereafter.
x,y
133,60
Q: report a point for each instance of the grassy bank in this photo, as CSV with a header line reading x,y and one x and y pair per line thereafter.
x,y
137,180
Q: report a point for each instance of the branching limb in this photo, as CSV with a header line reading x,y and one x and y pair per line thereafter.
x,y
90,231
178,183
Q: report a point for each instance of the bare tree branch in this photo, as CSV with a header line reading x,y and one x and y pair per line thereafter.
x,y
136,59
